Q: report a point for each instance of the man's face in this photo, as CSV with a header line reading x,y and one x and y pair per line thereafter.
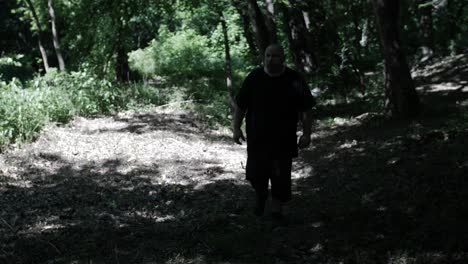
x,y
274,59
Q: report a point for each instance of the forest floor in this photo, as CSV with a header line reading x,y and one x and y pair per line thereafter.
x,y
158,186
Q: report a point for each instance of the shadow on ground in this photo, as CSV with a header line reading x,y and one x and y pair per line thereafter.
x,y
382,191
142,122
390,191
185,124
95,213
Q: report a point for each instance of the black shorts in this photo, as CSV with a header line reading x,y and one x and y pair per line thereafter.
x,y
261,169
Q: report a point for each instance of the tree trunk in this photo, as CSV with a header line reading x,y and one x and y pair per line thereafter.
x,y
323,24
306,17
55,36
455,18
122,69
246,26
403,101
42,50
355,61
229,86
425,24
261,32
310,39
288,28
270,21
297,34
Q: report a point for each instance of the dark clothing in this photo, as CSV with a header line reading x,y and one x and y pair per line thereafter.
x,y
273,105
261,169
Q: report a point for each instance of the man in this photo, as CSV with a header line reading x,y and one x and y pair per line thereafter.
x,y
272,99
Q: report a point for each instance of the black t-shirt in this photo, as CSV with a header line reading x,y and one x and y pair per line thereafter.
x,y
273,105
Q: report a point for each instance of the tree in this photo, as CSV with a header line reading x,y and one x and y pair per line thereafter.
x,y
270,21
456,16
40,32
242,10
228,64
298,36
55,36
425,24
403,100
263,35
102,41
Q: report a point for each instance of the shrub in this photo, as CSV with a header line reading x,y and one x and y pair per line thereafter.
x,y
179,56
22,114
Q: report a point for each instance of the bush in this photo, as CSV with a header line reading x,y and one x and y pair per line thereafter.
x,y
88,94
178,56
22,114
194,63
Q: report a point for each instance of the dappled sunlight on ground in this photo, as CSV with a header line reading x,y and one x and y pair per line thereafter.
x,y
446,87
160,187
175,151
102,185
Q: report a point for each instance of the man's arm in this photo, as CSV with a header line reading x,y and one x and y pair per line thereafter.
x,y
307,122
237,123
304,140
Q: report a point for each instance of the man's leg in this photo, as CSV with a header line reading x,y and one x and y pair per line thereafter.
x,y
280,185
258,178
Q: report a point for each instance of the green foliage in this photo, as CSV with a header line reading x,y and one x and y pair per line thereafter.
x,y
178,56
11,61
91,95
427,4
14,65
22,112
215,111
346,46
142,61
181,43
191,57
88,94
124,24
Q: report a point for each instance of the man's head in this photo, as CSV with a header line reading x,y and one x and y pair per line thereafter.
x,y
274,59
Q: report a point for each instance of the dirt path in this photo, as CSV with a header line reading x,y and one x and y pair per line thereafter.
x,y
161,170
170,145
159,187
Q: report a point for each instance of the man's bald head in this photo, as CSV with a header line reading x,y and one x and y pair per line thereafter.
x,y
274,59
275,47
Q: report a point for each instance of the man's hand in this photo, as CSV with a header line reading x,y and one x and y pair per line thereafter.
x,y
304,141
237,122
237,136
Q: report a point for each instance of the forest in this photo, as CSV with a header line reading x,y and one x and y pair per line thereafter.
x,y
116,131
